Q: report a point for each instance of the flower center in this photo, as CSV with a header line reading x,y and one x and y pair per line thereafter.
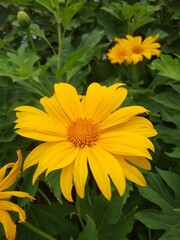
x,y
83,132
137,49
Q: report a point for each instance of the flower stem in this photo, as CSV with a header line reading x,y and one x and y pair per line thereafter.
x,y
44,196
36,230
60,33
78,209
136,76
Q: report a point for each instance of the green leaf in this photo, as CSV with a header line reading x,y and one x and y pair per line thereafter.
x,y
90,231
172,180
49,5
168,99
118,231
70,11
20,66
165,195
134,16
167,66
53,181
157,220
175,153
52,219
77,58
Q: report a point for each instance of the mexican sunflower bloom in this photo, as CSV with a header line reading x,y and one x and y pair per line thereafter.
x,y
88,133
134,49
7,181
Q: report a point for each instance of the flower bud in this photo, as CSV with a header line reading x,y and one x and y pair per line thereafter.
x,y
23,19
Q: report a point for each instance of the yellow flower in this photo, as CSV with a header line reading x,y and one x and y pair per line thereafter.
x,y
88,133
7,181
139,48
119,53
133,49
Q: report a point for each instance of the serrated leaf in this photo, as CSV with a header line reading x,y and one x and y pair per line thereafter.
x,y
90,231
167,67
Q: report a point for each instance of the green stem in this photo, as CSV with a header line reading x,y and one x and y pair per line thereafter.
x,y
136,77
78,209
32,44
36,230
149,233
47,41
44,196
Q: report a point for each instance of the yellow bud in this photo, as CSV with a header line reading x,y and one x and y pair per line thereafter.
x,y
23,19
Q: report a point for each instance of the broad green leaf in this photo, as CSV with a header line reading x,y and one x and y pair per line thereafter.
x,y
175,153
53,181
90,231
118,231
167,66
172,180
168,99
156,220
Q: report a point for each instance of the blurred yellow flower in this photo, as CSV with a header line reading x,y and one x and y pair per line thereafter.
x,y
88,133
119,53
134,49
7,181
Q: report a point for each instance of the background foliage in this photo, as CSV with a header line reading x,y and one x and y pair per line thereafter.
x,y
66,41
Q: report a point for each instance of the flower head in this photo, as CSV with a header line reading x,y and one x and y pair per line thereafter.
x,y
134,49
119,53
7,181
88,133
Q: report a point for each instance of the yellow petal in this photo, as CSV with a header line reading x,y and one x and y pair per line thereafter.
x,y
10,179
54,109
113,168
9,194
125,144
8,224
100,101
69,100
36,124
58,156
99,172
9,206
139,161
66,181
121,115
139,125
133,174
4,169
80,172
